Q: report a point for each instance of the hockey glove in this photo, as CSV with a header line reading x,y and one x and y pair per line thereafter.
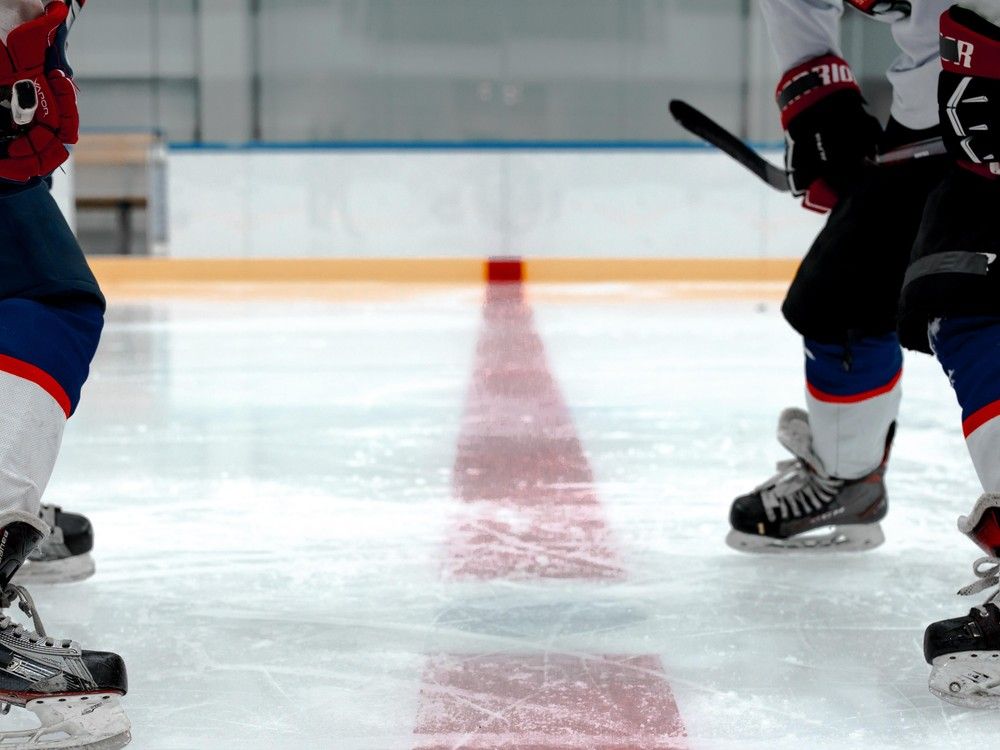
x,y
828,132
38,109
969,90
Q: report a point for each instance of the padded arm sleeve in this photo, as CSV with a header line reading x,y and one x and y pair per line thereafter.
x,y
803,29
988,9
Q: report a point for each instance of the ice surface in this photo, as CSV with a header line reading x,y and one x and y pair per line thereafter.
x,y
271,484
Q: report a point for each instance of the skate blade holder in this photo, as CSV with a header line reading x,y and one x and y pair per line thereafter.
x,y
968,679
823,539
23,102
94,720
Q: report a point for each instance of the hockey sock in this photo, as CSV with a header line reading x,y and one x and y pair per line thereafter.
x,y
45,354
968,349
853,393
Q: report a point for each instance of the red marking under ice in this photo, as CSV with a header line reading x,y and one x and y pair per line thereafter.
x,y
856,397
547,702
501,270
39,377
532,509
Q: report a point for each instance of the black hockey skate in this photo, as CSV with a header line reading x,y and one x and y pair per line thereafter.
x,y
964,653
803,508
64,555
73,693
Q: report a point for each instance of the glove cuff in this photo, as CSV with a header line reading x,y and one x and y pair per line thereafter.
x,y
811,82
970,45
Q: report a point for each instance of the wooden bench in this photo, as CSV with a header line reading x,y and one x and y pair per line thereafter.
x,y
112,175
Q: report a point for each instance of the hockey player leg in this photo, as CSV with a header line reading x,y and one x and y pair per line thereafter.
x,y
831,495
45,353
951,304
45,350
964,652
74,693
843,301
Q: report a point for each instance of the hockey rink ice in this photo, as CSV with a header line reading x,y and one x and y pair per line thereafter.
x,y
434,518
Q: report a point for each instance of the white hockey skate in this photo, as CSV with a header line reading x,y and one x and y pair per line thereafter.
x,y
64,556
73,693
964,652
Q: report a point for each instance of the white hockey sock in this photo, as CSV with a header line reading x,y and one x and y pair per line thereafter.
x,y
853,394
850,437
31,429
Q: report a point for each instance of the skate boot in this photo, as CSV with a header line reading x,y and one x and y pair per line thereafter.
x,y
74,694
64,555
803,508
964,653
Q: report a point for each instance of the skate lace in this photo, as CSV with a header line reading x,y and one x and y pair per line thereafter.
x,y
796,490
987,570
19,595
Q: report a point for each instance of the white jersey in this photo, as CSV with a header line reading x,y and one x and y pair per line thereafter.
x,y
13,13
803,29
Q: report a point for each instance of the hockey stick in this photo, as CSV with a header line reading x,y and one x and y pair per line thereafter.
x,y
711,132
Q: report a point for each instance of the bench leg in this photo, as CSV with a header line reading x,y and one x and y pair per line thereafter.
x,y
125,227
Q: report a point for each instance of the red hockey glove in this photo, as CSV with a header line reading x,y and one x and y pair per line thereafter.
x,y
828,133
969,90
38,109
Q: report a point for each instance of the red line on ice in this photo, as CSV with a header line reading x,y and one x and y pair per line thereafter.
x,y
547,702
531,508
530,511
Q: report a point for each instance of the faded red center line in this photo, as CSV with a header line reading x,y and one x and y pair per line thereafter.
x,y
548,701
532,512
520,468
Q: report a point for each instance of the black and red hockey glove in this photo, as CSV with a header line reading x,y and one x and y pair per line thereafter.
x,y
829,135
38,109
969,90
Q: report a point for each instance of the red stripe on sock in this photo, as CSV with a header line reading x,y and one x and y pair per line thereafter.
x,y
39,377
978,418
547,702
531,509
830,398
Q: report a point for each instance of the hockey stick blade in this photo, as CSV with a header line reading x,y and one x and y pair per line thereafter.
x,y
711,132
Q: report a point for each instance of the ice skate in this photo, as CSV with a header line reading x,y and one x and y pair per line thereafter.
x,y
64,555
74,694
803,508
964,652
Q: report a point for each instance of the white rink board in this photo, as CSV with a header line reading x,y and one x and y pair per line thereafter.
x,y
332,203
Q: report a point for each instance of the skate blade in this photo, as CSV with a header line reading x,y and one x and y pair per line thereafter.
x,y
970,679
68,570
847,538
95,721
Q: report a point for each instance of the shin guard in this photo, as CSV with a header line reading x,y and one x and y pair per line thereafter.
x,y
45,354
968,349
853,394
